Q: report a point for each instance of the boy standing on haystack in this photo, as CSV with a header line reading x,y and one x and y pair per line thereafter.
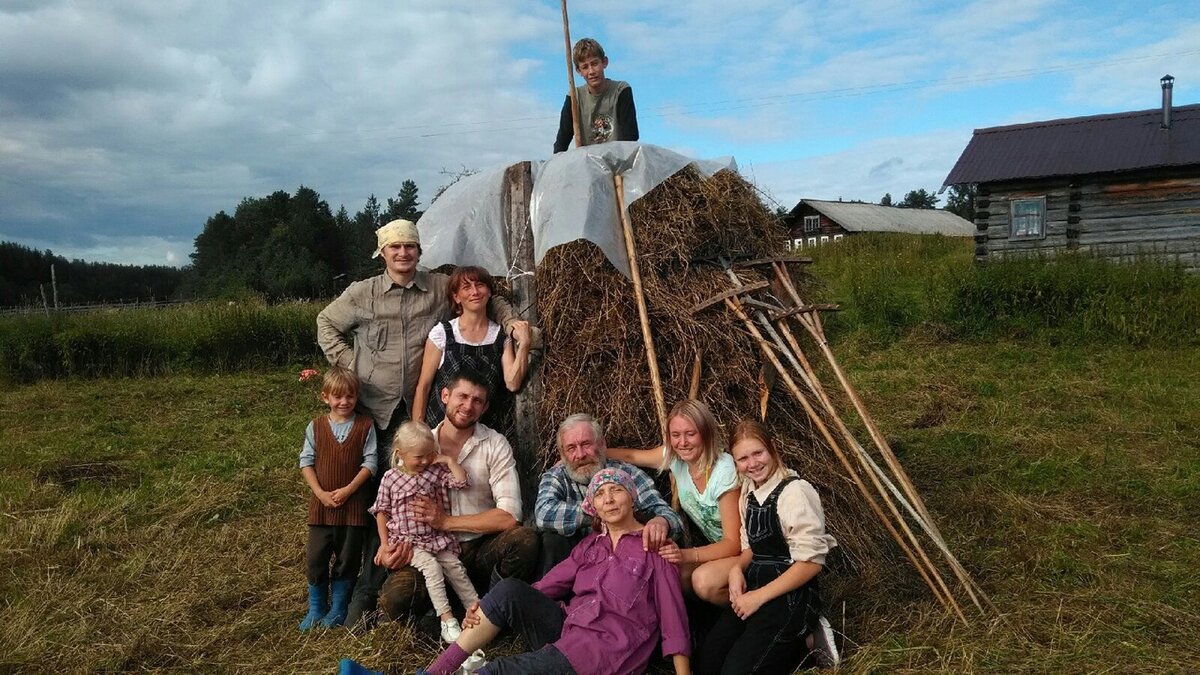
x,y
338,458
606,110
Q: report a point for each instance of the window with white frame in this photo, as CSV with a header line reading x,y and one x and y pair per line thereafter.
x,y
812,223
1027,218
825,239
838,237
797,244
812,241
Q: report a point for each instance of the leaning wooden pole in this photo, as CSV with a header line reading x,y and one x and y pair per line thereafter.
x,y
809,321
944,598
818,334
571,75
651,356
792,361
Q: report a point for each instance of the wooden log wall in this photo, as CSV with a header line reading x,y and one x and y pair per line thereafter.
x,y
1120,217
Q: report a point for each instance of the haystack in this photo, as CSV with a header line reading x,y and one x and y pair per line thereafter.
x,y
595,360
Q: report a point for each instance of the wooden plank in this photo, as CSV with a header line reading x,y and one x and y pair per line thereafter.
x,y
758,262
1147,225
526,439
1181,233
1189,207
721,297
777,315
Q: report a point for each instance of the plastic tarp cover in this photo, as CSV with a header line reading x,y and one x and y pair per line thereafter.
x,y
465,226
574,197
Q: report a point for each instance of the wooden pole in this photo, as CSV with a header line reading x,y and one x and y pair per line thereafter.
x,y
45,307
571,75
818,335
54,285
793,361
651,357
945,600
812,324
694,385
527,441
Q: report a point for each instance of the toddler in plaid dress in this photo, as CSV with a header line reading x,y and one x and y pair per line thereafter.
x,y
419,471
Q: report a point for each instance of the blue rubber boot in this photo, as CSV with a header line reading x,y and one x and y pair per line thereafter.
x,y
349,667
340,602
318,607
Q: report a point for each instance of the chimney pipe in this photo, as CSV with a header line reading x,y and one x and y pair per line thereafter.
x,y
1167,84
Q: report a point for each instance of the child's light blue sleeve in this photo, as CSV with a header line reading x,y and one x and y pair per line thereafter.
x,y
370,454
308,454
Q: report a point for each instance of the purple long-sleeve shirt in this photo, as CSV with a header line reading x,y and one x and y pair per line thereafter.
x,y
620,602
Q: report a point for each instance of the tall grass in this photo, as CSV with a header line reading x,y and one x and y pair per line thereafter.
x,y
1076,299
887,284
198,338
890,285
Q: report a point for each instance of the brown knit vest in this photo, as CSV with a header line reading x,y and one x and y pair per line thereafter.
x,y
336,465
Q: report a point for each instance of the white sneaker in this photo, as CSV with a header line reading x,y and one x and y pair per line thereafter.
x,y
824,646
473,663
450,630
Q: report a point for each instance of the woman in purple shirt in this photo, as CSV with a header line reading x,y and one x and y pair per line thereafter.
x,y
599,612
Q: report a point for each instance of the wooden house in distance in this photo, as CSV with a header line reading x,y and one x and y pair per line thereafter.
x,y
814,222
1117,186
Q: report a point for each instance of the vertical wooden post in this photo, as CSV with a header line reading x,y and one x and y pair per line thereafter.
x,y
527,441
45,307
571,75
651,356
54,284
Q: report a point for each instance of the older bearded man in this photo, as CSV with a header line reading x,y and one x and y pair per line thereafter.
x,y
558,511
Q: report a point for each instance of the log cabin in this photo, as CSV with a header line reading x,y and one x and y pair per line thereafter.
x,y
1119,186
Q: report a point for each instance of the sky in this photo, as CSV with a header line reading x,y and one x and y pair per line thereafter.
x,y
125,124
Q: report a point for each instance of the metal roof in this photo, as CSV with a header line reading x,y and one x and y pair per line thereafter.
x,y
863,217
1080,145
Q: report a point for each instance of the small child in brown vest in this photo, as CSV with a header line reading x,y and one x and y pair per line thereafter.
x,y
338,458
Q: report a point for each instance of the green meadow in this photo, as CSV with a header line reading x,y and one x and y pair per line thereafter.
x,y
151,516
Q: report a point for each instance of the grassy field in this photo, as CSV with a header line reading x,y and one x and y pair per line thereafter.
x,y
1067,479
151,516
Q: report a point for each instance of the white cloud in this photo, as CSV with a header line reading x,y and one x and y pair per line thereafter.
x,y
131,121
865,172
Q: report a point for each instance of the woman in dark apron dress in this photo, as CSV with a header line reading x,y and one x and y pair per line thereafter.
x,y
471,341
774,600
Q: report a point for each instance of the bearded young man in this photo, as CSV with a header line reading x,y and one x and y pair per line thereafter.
x,y
558,512
485,516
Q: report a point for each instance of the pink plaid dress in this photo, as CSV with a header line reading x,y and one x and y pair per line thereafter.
x,y
395,498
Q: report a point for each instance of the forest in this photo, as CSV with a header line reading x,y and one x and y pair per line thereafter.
x,y
277,247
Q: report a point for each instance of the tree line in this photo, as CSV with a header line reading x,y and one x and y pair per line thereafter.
x,y
960,200
25,273
291,245
279,246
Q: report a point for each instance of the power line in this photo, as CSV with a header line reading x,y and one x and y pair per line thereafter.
x,y
439,129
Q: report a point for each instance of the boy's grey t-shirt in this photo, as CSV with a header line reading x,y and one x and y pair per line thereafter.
x,y
598,112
